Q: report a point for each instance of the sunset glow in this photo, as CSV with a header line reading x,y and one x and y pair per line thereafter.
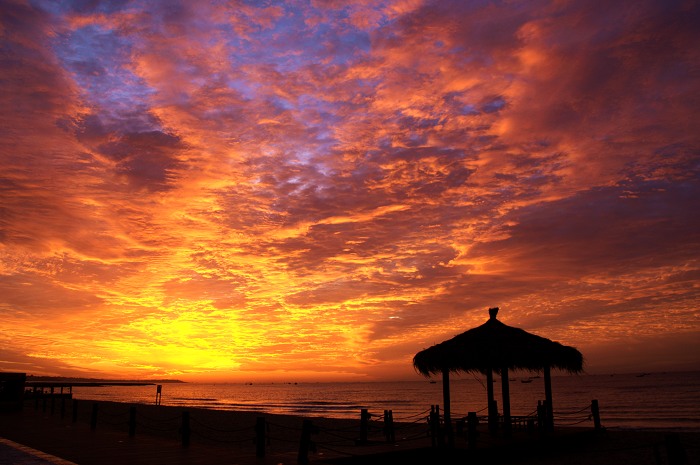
x,y
317,190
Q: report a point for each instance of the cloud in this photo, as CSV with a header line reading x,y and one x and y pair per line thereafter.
x,y
230,188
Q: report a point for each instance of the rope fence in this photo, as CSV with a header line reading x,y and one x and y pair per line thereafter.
x,y
374,428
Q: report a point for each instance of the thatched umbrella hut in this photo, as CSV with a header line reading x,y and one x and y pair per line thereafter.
x,y
497,347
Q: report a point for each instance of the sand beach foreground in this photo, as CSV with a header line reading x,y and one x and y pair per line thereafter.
x,y
222,437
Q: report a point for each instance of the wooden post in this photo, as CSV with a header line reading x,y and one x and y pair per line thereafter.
x,y
53,401
505,390
132,421
389,426
674,449
364,426
185,429
448,411
434,424
36,399
75,410
472,424
63,407
93,417
260,429
549,406
492,405
305,443
392,431
159,393
595,412
540,416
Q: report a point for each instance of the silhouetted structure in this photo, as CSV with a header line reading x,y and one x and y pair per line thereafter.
x,y
497,347
11,390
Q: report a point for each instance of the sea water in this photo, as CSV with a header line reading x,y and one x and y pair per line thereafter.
x,y
649,400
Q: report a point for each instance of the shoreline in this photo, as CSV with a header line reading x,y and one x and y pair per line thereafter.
x,y
224,436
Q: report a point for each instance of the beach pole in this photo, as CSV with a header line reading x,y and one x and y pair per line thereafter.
x,y
132,421
364,425
440,435
505,390
305,442
260,428
596,414
472,423
63,407
389,426
674,449
74,405
53,401
185,429
491,403
93,417
549,405
159,393
447,407
434,424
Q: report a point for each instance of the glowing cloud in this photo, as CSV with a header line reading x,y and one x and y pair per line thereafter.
x,y
319,190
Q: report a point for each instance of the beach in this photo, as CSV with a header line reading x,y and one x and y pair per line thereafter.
x,y
156,437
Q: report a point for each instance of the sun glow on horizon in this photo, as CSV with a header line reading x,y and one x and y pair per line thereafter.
x,y
318,190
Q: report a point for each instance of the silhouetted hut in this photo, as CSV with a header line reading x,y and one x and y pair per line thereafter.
x,y
497,347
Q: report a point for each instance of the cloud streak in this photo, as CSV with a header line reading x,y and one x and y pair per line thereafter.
x,y
317,190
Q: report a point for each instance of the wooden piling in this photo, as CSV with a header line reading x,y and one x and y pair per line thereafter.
x,y
505,390
595,412
472,424
132,421
364,426
185,429
260,430
434,424
159,393
493,417
674,449
389,426
305,444
93,417
53,401
63,407
548,402
447,408
74,408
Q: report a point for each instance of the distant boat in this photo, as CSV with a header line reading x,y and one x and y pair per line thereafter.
x,y
529,380
433,382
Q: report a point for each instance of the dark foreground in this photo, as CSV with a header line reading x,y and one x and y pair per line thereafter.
x,y
229,438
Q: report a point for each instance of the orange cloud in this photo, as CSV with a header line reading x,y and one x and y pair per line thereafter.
x,y
322,189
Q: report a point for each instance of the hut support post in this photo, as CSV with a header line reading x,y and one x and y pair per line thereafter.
x,y
492,409
505,389
548,406
446,406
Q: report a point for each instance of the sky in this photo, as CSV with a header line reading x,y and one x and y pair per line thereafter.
x,y
319,189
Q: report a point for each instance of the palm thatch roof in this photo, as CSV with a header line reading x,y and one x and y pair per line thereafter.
x,y
493,346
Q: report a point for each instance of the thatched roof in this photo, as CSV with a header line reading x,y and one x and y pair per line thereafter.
x,y
493,346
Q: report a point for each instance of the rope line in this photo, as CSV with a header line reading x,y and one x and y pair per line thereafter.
x,y
158,420
220,430
571,412
412,416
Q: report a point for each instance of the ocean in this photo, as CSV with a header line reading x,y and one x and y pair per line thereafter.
x,y
627,401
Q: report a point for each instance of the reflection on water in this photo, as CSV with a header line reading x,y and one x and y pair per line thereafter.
x,y
659,400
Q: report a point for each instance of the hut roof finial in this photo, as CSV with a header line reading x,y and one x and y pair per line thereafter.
x,y
493,311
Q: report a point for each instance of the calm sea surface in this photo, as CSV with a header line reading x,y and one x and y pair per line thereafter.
x,y
657,400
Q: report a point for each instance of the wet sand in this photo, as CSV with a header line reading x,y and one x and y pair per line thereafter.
x,y
229,437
